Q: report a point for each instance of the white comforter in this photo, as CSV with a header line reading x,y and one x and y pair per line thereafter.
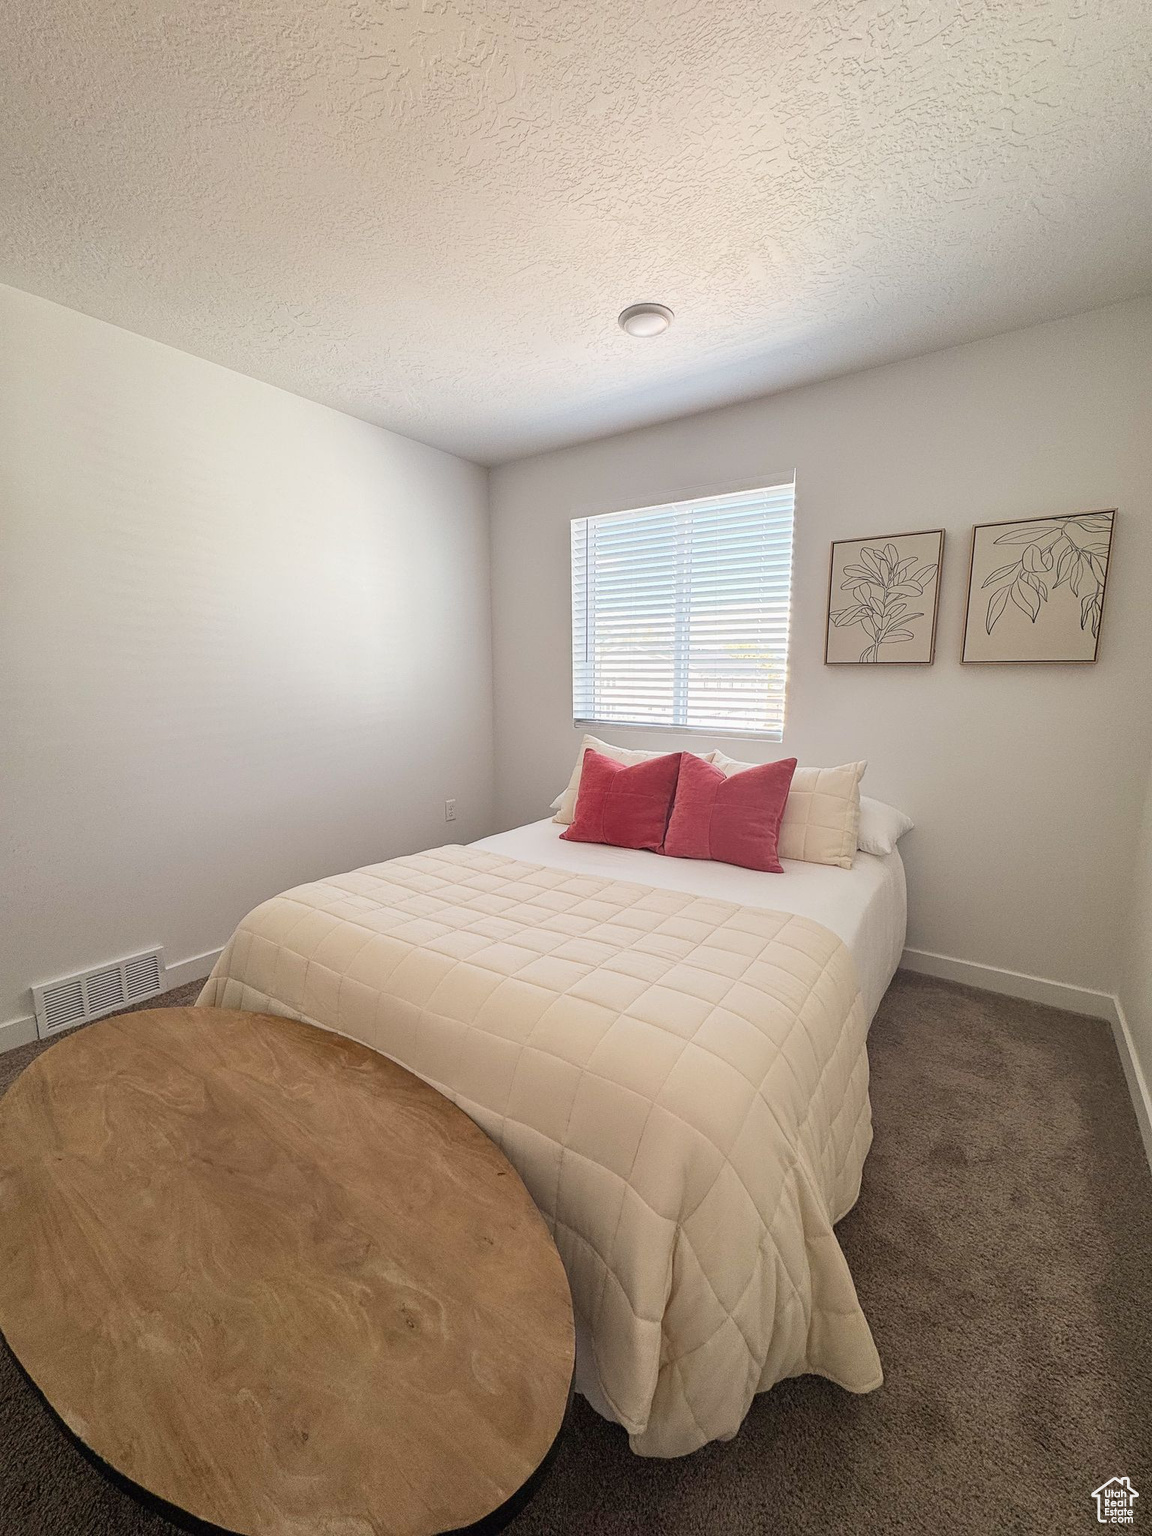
x,y
681,1082
866,906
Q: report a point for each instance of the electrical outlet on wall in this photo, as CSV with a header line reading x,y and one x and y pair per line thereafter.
x,y
449,810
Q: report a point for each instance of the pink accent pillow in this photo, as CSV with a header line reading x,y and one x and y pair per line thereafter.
x,y
733,820
625,806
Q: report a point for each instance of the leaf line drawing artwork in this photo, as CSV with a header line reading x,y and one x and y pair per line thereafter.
x,y
1056,551
884,584
1036,588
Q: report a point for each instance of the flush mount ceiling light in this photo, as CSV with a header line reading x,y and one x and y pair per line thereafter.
x,y
645,319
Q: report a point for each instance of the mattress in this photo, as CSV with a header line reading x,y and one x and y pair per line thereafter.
x,y
680,1080
866,907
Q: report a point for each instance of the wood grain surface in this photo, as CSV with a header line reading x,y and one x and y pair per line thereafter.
x,y
275,1279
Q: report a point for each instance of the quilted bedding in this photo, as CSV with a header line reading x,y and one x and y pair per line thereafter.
x,y
681,1082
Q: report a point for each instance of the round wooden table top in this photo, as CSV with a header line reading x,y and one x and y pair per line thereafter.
x,y
275,1281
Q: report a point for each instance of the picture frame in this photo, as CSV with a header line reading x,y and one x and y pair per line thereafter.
x,y
884,599
1036,589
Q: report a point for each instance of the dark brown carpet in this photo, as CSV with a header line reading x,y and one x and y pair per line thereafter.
x,y
1002,1248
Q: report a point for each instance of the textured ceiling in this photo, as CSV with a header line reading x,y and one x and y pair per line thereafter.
x,y
429,213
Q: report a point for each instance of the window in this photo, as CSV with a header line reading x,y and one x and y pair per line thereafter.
x,y
680,614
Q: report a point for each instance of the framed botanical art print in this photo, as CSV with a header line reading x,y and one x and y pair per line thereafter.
x,y
1036,588
882,597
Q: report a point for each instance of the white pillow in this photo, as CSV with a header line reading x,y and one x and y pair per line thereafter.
x,y
565,805
822,817
881,826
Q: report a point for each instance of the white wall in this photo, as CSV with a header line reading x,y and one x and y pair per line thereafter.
x,y
1025,781
244,639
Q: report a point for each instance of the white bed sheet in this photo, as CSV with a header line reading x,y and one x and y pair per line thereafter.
x,y
865,906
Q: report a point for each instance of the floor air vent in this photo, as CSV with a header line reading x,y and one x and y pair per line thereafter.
x,y
76,999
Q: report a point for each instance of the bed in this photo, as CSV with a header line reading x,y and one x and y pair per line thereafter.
x,y
865,906
672,1054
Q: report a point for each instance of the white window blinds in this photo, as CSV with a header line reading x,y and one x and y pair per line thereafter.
x,y
680,614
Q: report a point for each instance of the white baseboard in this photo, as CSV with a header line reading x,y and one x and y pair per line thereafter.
x,y
1137,1082
17,1032
196,969
1056,994
993,978
23,1031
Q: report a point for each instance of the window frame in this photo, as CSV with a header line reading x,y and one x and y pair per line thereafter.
x,y
663,498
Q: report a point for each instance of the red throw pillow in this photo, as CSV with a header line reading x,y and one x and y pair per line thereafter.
x,y
736,820
626,807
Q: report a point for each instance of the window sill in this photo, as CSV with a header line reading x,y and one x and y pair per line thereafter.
x,y
724,733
